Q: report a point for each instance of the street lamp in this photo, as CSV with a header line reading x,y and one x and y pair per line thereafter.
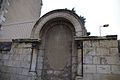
x,y
105,25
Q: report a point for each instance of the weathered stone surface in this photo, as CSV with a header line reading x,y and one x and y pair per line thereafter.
x,y
96,60
88,77
91,43
114,51
79,69
88,60
15,63
103,60
100,61
111,77
102,51
115,69
79,55
113,60
89,68
25,64
106,77
25,71
87,44
5,56
109,43
89,51
105,69
95,43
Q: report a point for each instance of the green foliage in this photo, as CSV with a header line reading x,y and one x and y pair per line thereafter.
x,y
82,19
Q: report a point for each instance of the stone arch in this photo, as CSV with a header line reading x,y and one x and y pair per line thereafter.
x,y
71,27
63,13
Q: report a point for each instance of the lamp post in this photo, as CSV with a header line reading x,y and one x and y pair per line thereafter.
x,y
105,25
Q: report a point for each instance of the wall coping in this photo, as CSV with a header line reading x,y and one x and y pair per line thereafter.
x,y
26,40
107,37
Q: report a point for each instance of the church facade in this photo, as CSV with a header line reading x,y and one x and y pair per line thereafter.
x,y
55,46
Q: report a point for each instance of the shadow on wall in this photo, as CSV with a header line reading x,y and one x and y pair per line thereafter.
x,y
5,46
119,45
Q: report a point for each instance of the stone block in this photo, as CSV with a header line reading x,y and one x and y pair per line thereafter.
x,y
102,51
23,57
16,51
27,45
103,60
96,60
41,53
39,65
78,78
79,55
87,44
10,63
25,64
5,56
74,60
16,70
89,68
25,71
13,77
105,69
95,43
115,69
98,76
27,51
79,69
3,69
106,77
5,62
88,77
111,77
114,51
88,60
1,62
16,57
89,51
92,43
109,43
113,60
40,59
15,63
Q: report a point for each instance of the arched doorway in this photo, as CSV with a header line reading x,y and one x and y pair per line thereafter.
x,y
57,57
57,38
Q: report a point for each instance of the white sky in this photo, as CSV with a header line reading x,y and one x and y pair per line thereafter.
x,y
96,12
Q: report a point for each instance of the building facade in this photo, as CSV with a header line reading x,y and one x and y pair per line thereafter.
x,y
55,46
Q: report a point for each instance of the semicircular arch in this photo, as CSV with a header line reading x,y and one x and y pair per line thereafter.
x,y
60,13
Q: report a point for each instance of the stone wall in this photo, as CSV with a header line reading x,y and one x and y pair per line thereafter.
x,y
16,31
20,11
101,60
17,64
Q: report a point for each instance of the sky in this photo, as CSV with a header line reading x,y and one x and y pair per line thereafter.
x,y
96,12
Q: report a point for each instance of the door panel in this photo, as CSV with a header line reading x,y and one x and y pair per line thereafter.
x,y
58,50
